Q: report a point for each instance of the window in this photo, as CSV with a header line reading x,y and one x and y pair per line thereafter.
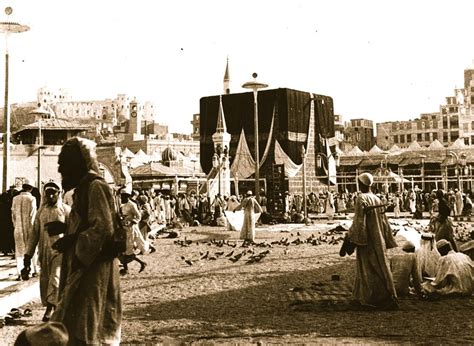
x,y
435,124
472,139
419,137
445,122
466,140
419,125
395,139
445,137
402,138
454,136
409,138
443,111
427,124
454,121
427,136
435,135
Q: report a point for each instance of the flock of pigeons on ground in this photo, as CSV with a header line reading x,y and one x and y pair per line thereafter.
x,y
247,251
236,253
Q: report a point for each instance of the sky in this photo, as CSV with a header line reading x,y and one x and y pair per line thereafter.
x,y
379,60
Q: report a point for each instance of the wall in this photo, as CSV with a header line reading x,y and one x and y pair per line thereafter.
x,y
24,166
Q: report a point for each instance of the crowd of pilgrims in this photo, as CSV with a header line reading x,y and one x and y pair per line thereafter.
x,y
146,211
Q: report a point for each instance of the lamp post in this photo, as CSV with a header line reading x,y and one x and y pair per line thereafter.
x,y
319,163
8,28
457,169
303,158
423,184
254,85
470,178
39,113
458,162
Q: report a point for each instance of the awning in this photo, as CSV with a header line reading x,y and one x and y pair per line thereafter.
x,y
350,161
410,161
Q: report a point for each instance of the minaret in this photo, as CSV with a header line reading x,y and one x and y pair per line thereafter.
x,y
221,139
227,78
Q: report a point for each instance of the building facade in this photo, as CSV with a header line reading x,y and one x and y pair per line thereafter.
x,y
455,119
360,133
195,123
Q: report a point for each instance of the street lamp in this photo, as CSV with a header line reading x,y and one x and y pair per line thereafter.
x,y
303,159
460,160
337,159
8,28
40,113
254,85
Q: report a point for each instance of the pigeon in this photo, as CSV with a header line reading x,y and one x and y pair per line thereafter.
x,y
189,262
205,256
212,258
219,253
237,257
230,254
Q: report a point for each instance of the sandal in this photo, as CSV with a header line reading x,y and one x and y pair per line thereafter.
x,y
14,313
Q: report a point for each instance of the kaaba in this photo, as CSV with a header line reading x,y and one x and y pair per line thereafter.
x,y
283,116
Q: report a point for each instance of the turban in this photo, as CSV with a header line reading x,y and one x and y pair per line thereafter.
x,y
49,333
408,246
366,179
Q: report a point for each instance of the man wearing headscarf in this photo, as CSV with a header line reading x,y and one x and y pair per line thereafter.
x,y
250,206
90,303
453,273
404,271
131,217
371,233
427,256
23,216
48,228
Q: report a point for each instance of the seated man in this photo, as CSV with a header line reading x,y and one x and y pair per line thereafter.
x,y
454,273
404,271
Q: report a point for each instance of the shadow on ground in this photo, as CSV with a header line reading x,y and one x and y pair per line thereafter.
x,y
269,307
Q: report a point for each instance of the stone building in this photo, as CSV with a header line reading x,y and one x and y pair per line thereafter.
x,y
195,123
360,133
455,119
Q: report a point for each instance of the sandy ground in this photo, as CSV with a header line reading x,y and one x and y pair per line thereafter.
x,y
287,297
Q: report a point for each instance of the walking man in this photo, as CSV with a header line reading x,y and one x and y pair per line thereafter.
x,y
371,234
23,216
90,303
51,215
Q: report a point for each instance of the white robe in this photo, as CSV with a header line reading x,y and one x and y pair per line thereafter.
x,y
23,216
